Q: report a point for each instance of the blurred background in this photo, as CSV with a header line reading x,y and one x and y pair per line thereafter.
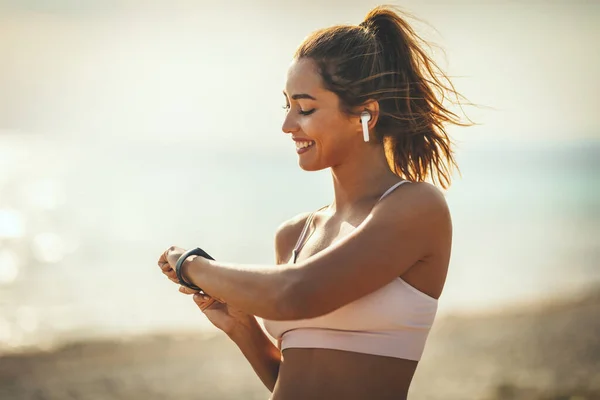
x,y
128,126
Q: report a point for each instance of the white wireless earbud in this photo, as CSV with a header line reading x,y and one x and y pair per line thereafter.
x,y
365,117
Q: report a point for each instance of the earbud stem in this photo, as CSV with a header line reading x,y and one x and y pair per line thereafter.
x,y
365,127
365,117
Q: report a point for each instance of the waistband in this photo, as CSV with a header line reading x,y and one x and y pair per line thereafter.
x,y
406,344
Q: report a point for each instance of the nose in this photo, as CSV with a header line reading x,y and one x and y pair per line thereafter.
x,y
290,124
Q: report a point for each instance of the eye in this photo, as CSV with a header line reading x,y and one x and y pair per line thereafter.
x,y
287,108
306,112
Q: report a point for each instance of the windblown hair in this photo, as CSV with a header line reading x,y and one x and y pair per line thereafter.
x,y
382,59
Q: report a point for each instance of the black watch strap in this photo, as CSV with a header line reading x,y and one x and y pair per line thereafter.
x,y
193,252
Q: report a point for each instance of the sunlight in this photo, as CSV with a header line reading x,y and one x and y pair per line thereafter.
x,y
11,224
9,266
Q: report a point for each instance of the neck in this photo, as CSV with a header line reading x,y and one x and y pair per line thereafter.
x,y
361,179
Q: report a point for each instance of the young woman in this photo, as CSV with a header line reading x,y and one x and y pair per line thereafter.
x,y
354,292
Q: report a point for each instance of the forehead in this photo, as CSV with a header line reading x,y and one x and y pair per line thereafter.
x,y
303,77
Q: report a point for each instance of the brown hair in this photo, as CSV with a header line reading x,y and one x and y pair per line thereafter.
x,y
381,59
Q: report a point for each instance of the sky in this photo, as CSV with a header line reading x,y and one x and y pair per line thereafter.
x,y
212,73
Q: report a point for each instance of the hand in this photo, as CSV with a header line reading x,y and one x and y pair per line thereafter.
x,y
228,319
221,315
168,260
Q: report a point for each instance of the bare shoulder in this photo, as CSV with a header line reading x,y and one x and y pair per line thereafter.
x,y
287,235
423,193
420,202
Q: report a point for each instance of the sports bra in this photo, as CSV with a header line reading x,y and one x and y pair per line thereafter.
x,y
393,321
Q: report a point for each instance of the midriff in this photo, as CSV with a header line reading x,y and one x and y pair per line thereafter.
x,y
315,374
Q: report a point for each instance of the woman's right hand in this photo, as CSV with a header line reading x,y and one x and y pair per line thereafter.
x,y
226,318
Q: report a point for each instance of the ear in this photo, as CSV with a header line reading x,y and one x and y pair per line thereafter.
x,y
372,106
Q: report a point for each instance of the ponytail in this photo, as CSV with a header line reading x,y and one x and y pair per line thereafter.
x,y
382,59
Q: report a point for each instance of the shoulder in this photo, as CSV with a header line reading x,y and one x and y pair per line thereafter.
x,y
287,235
420,192
420,203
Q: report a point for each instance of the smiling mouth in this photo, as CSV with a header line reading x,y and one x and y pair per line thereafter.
x,y
304,144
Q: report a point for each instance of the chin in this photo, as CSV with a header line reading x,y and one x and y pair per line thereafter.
x,y
310,166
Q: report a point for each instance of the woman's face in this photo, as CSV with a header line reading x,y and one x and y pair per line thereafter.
x,y
324,135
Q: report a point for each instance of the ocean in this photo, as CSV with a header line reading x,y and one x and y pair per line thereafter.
x,y
82,225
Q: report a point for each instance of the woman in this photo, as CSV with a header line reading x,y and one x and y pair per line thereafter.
x,y
355,291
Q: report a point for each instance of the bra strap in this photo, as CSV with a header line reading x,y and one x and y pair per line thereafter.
x,y
390,190
302,236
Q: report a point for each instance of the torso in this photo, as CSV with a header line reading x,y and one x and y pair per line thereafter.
x,y
333,374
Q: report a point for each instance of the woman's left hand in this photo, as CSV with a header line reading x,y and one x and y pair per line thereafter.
x,y
167,263
168,260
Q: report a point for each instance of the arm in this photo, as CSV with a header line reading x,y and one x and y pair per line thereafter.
x,y
403,229
261,353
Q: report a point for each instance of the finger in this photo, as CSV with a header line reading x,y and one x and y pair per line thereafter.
x,y
165,267
186,290
171,275
203,301
163,258
168,252
163,261
201,297
207,305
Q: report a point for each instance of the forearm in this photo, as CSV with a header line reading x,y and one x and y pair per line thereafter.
x,y
260,290
261,353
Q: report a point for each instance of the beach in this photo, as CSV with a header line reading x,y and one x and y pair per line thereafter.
x,y
544,351
521,241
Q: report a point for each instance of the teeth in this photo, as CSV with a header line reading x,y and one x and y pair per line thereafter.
x,y
301,145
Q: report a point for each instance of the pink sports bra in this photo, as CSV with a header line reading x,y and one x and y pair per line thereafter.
x,y
393,321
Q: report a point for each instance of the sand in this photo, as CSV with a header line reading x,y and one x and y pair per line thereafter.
x,y
548,352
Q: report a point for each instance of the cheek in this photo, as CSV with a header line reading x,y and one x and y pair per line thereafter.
x,y
324,129
315,127
333,146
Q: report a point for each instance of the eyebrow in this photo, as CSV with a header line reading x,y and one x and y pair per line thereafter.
x,y
301,96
